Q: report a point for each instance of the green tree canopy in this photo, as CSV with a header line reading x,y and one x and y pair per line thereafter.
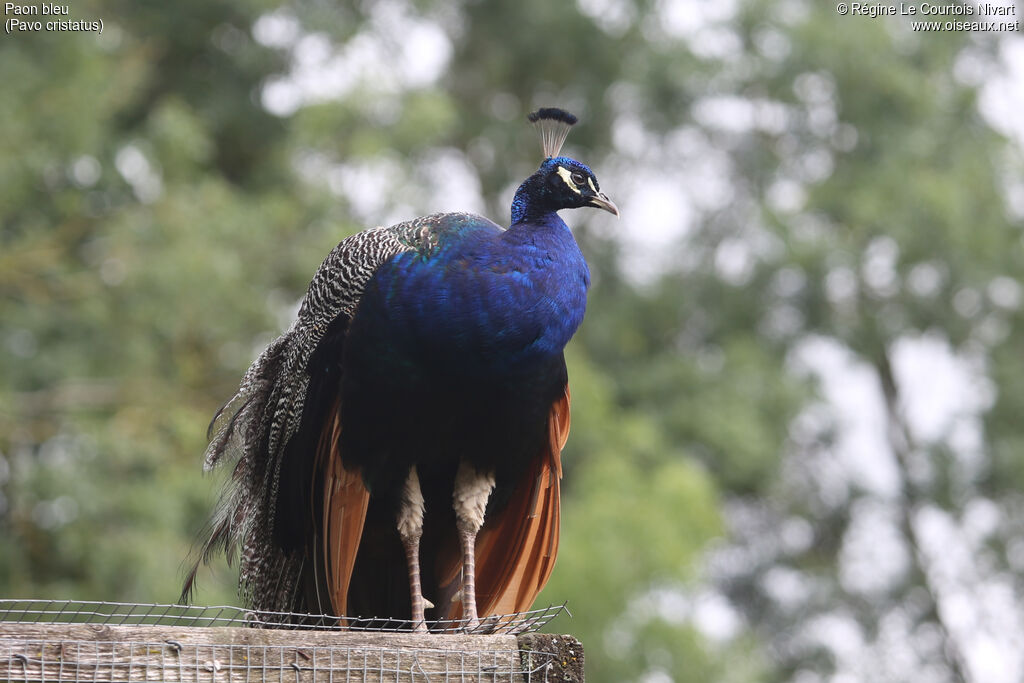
x,y
795,449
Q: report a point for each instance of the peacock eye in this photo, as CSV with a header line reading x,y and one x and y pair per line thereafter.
x,y
578,178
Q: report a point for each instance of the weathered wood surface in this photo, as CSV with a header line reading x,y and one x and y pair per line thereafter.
x,y
94,652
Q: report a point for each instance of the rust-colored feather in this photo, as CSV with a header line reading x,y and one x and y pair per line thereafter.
x,y
516,548
344,513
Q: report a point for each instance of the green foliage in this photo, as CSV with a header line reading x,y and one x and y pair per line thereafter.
x,y
160,224
632,520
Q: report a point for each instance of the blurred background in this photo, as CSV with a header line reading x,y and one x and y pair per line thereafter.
x,y
797,451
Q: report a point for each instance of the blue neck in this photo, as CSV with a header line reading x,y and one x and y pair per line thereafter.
x,y
525,206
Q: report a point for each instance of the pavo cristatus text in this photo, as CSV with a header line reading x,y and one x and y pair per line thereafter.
x,y
398,448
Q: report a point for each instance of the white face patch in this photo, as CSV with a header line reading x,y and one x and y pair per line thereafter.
x,y
590,181
567,177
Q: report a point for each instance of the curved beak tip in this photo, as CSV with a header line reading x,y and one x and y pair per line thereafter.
x,y
601,201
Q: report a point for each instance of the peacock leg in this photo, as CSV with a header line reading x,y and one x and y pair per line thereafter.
x,y
410,528
472,489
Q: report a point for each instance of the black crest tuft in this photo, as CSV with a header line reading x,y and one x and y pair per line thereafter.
x,y
553,114
554,125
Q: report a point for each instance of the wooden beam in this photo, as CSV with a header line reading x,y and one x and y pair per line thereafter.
x,y
97,652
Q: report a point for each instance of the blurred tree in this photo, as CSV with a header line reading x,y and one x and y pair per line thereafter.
x,y
888,272
132,213
843,246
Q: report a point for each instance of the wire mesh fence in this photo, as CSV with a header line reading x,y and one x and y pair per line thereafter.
x,y
53,640
75,660
153,614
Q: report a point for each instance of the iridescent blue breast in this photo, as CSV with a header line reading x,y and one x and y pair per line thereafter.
x,y
475,298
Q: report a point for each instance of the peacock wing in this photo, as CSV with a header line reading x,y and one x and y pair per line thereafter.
x,y
269,430
345,501
516,548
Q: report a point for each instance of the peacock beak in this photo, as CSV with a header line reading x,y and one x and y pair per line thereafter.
x,y
601,201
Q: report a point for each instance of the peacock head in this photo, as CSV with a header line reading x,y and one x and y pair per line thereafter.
x,y
560,182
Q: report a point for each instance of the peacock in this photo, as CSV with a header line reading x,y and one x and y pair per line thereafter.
x,y
397,450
